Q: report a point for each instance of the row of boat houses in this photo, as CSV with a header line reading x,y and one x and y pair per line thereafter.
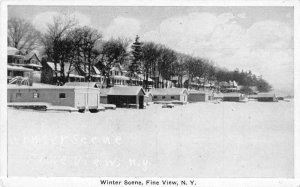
x,y
91,96
36,78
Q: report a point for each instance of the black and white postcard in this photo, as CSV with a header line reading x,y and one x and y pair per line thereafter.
x,y
149,94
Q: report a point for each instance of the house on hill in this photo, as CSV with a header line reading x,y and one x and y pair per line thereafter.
x,y
33,62
170,94
22,67
266,97
118,76
94,73
48,73
19,75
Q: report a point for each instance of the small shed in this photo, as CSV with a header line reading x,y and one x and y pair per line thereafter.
x,y
280,97
103,95
170,94
266,97
217,96
233,96
127,96
198,96
77,97
148,97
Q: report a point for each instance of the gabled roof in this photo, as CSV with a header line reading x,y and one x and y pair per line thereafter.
x,y
67,65
84,84
104,91
148,94
30,55
198,92
12,51
168,91
17,68
232,94
266,95
126,90
94,70
220,94
118,67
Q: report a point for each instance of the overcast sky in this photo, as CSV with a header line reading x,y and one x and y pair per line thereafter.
x,y
250,38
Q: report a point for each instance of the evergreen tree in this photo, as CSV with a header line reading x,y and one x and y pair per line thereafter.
x,y
135,67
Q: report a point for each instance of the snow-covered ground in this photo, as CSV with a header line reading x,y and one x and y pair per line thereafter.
x,y
196,140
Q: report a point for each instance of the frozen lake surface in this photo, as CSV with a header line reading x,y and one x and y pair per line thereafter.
x,y
196,140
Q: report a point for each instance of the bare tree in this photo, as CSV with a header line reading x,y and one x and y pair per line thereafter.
x,y
151,53
85,39
22,35
113,51
55,41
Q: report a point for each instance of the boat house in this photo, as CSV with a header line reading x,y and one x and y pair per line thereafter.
x,y
198,96
266,97
126,96
233,96
218,96
84,84
170,94
77,97
148,97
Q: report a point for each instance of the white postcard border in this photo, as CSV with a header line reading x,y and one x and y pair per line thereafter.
x,y
27,181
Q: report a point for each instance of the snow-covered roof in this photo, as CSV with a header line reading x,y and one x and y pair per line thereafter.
x,y
12,50
220,94
72,73
96,70
168,91
36,87
232,94
197,92
18,68
266,95
104,91
84,84
30,55
144,78
148,94
126,90
119,77
33,65
235,84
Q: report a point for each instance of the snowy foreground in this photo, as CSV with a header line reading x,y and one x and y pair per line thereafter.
x,y
196,140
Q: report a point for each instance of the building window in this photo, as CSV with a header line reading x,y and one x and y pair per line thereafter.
x,y
62,95
36,95
155,97
172,97
163,97
18,95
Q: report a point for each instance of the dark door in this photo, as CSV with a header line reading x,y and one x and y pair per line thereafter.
x,y
141,102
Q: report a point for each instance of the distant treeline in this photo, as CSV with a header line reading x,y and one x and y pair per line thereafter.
x,y
247,79
66,41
